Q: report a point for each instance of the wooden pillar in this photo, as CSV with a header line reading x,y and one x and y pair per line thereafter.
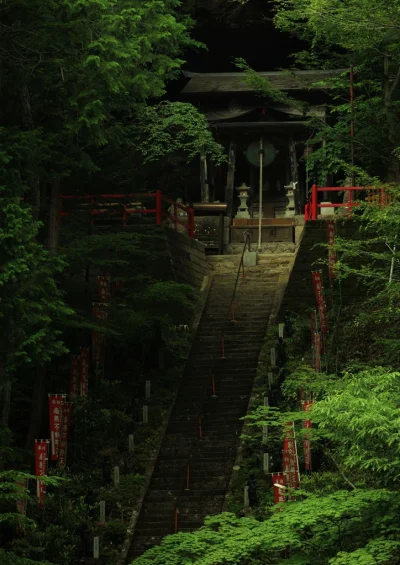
x,y
205,193
221,233
54,225
230,180
294,177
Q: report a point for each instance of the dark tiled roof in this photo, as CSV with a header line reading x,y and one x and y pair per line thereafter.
x,y
236,82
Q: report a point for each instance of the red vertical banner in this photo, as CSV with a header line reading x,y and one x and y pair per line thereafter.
x,y
332,256
100,315
307,407
319,297
103,288
290,459
279,482
65,424
41,449
74,377
55,414
84,371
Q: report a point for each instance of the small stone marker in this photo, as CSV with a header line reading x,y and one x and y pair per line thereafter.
x,y
116,476
131,443
148,390
102,511
281,330
266,401
273,357
145,414
246,497
266,462
250,258
96,547
265,434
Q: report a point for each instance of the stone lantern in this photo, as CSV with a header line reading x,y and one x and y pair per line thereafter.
x,y
290,206
243,194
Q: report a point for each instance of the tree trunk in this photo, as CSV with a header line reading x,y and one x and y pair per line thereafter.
x,y
393,134
39,397
230,181
33,196
5,412
54,226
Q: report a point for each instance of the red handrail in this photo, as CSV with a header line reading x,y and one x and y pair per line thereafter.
x,y
311,208
125,212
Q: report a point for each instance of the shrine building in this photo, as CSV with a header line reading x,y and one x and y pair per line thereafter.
x,y
267,146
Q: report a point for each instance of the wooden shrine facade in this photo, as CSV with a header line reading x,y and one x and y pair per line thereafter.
x,y
240,119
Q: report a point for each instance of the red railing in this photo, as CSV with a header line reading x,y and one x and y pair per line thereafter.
x,y
117,207
377,195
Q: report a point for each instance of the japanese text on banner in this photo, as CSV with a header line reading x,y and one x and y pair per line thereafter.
x,y
84,370
319,297
103,288
74,378
55,413
332,256
279,493
65,424
41,449
307,406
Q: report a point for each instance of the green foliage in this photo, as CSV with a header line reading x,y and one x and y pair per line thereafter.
x,y
309,531
8,558
176,128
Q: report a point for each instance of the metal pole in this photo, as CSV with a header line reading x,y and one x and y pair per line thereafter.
x,y
352,123
260,193
393,257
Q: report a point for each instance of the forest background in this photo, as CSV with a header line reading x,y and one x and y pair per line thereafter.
x,y
84,86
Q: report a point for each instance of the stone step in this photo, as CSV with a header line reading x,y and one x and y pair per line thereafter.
x,y
210,458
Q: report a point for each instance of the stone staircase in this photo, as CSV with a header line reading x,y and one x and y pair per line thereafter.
x,y
211,457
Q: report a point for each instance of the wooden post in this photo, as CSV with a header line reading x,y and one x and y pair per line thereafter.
x,y
273,357
246,497
221,234
158,207
102,511
96,549
230,180
205,193
54,219
260,194
266,463
281,329
294,176
116,476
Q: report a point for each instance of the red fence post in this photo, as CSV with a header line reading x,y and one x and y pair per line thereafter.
x,y
158,207
191,223
314,202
